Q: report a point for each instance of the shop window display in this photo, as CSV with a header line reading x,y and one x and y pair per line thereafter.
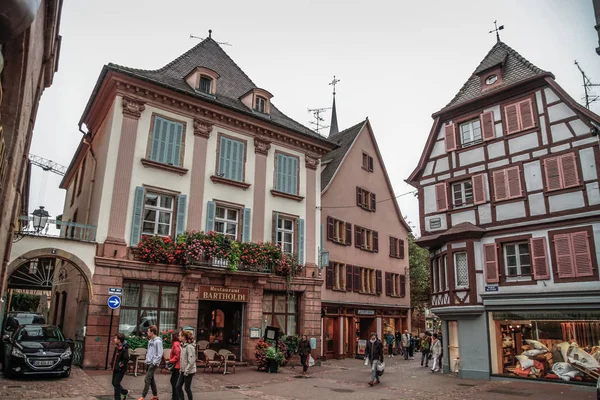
x,y
549,345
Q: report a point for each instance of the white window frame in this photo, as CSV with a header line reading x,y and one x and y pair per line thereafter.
x,y
339,275
158,211
339,231
457,286
471,131
283,231
226,221
261,105
463,194
440,274
445,258
518,254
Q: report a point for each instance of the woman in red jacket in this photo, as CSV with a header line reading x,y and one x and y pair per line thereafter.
x,y
175,361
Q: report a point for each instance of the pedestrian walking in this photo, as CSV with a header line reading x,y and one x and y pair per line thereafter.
x,y
399,348
406,344
425,347
304,351
119,366
153,358
389,340
175,361
188,364
374,353
436,353
411,346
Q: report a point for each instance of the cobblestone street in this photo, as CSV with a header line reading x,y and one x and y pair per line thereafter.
x,y
340,379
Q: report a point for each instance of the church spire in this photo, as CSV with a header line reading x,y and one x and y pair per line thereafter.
x,y
333,126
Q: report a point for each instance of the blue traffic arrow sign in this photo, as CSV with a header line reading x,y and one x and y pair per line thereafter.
x,y
114,302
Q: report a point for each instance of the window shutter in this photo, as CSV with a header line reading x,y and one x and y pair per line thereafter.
x,y
280,173
375,242
388,284
181,210
373,201
357,236
246,225
223,157
359,197
564,256
487,125
491,263
553,176
156,136
568,168
441,196
370,159
329,276
478,182
300,241
357,286
526,114
330,228
293,175
138,209
500,192
511,114
349,277
514,182
401,248
170,136
274,227
348,234
581,254
211,208
378,282
392,247
239,163
402,285
450,137
177,145
539,257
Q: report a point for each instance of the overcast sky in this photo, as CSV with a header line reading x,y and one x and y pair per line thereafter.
x,y
398,61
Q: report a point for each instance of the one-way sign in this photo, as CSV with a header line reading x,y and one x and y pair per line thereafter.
x,y
114,302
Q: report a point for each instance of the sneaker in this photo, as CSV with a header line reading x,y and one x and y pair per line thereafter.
x,y
377,382
370,383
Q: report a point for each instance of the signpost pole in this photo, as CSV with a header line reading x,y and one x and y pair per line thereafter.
x,y
112,312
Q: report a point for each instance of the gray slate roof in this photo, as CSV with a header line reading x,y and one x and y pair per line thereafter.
x,y
231,85
344,139
516,69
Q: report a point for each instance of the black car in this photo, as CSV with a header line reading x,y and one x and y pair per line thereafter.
x,y
37,349
13,319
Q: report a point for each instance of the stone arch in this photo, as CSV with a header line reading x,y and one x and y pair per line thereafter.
x,y
71,258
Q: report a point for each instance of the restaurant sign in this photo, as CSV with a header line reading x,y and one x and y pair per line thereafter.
x,y
365,312
222,293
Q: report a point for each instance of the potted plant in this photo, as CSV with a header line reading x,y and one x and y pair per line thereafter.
x,y
275,359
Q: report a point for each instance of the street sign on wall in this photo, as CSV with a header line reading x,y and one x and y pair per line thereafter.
x,y
114,302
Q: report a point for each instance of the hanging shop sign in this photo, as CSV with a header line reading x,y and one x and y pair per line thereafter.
x,y
365,312
222,293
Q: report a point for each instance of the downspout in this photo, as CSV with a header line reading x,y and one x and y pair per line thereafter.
x,y
87,139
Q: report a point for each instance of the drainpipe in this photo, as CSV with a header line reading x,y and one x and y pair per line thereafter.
x,y
87,139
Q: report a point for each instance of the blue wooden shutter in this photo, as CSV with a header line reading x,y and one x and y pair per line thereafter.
x,y
223,157
211,208
167,139
138,208
162,149
246,227
279,185
233,160
274,227
301,242
294,176
181,210
156,139
240,162
170,137
176,159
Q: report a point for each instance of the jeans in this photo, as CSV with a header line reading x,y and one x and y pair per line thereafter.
x,y
116,382
174,379
374,370
390,349
187,380
149,381
424,357
406,353
304,362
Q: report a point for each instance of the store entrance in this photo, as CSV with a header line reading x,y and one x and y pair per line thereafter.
x,y
220,326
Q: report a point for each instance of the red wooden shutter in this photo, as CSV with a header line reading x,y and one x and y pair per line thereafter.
x,y
450,137
329,276
401,248
568,167
370,163
388,284
378,282
357,236
373,201
349,277
511,113
348,234
357,286
539,258
359,197
514,182
330,228
581,254
526,114
553,174
491,263
402,285
375,242
488,128
500,190
564,256
392,247
478,182
441,197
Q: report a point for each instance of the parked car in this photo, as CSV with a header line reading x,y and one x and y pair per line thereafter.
x,y
37,349
13,319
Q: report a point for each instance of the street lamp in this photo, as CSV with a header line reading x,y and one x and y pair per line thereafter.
x,y
40,219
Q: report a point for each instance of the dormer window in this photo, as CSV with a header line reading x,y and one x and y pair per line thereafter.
x,y
260,105
258,100
203,81
205,84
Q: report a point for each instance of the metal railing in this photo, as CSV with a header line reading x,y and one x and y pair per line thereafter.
x,y
58,229
223,264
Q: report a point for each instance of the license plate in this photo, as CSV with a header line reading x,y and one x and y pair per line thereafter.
x,y
43,363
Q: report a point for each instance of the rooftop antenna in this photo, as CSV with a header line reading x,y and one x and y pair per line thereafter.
x,y
210,37
316,112
497,30
587,87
